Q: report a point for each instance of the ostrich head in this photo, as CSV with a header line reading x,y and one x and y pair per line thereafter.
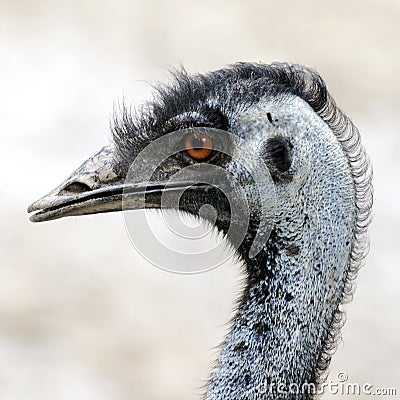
x,y
289,313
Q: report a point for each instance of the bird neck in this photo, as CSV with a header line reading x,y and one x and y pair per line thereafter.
x,y
285,318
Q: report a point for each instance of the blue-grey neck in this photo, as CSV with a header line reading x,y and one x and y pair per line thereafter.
x,y
286,320
283,322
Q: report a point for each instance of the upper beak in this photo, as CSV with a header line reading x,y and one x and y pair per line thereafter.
x,y
99,185
96,186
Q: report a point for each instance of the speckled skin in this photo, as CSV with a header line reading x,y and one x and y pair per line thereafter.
x,y
289,312
287,308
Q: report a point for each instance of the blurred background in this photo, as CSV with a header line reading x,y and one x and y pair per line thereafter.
x,y
82,315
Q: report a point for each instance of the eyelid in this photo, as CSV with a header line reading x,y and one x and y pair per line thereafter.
x,y
186,118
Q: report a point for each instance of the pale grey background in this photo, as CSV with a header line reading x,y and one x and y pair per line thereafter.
x,y
82,316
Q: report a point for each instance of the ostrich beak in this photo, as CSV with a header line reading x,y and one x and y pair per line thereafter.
x,y
98,186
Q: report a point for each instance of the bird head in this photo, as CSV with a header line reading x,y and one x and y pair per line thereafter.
x,y
260,144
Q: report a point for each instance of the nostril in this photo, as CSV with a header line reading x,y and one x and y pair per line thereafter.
x,y
77,187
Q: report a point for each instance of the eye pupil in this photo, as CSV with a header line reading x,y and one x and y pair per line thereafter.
x,y
198,146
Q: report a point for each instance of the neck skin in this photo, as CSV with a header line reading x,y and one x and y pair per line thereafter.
x,y
292,294
288,311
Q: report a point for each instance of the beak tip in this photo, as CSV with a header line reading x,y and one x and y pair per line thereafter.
x,y
37,217
35,206
31,208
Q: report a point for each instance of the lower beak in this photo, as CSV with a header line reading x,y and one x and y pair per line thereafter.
x,y
98,186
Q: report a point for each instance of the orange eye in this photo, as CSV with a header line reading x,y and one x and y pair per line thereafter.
x,y
198,145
